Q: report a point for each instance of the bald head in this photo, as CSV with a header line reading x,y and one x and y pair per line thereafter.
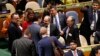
x,y
70,21
47,19
43,30
70,18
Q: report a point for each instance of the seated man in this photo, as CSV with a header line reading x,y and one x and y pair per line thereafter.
x,y
95,51
74,51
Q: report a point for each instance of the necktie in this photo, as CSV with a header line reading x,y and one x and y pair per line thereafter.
x,y
56,22
67,31
75,53
94,18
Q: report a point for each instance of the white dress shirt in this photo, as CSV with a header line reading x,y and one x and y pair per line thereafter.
x,y
48,30
58,21
74,53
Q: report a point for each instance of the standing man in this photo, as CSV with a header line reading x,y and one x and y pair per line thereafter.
x,y
97,51
23,46
34,29
51,28
91,22
58,19
71,32
14,32
45,47
74,51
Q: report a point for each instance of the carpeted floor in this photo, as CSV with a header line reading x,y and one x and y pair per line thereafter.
x,y
4,48
4,52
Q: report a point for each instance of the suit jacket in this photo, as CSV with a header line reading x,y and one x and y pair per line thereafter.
x,y
72,35
35,29
62,19
53,30
79,52
22,47
45,47
14,32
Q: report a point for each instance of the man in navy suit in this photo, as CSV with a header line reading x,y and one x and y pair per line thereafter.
x,y
91,22
45,47
74,51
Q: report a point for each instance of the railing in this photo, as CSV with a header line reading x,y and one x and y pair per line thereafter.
x,y
68,6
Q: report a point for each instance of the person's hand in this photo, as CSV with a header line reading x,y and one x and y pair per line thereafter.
x,y
61,32
93,34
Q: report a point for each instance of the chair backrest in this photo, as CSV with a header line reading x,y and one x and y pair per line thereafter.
x,y
91,40
61,40
10,7
33,5
74,14
83,41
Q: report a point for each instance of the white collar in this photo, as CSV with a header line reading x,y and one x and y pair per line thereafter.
x,y
56,15
36,22
44,36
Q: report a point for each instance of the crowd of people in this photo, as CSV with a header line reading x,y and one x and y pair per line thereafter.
x,y
31,34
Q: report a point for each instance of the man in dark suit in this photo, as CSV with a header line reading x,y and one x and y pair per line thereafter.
x,y
45,47
91,20
51,28
24,46
58,19
74,51
14,32
71,32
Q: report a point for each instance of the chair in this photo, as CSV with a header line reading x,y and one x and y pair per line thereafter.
x,y
33,5
74,14
10,7
83,41
61,40
91,40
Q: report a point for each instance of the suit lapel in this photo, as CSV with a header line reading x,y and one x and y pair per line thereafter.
x,y
98,17
78,53
71,54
